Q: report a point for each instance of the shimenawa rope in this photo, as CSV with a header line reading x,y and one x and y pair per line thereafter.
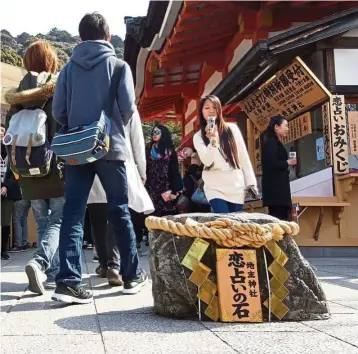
x,y
226,232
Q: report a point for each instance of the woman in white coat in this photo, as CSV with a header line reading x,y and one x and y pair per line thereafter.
x,y
138,201
227,167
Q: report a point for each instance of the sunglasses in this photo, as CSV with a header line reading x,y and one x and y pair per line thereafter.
x,y
157,132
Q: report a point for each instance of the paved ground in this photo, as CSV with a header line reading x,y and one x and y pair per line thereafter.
x,y
126,324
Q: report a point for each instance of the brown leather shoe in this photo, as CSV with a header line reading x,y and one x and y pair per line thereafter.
x,y
101,271
114,278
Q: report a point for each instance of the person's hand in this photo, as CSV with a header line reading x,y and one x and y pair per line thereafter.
x,y
144,180
292,162
4,191
211,134
173,196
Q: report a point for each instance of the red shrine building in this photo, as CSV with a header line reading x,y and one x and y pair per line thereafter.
x,y
263,58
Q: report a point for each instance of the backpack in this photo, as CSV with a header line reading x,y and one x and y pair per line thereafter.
x,y
28,148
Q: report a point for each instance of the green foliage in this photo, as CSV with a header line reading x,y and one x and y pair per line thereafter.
x,y
14,47
9,56
175,131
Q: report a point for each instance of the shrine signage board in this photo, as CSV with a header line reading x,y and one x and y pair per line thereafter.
x,y
353,132
238,285
327,134
257,152
292,91
298,128
339,135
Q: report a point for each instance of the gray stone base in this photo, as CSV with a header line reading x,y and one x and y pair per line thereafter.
x,y
174,295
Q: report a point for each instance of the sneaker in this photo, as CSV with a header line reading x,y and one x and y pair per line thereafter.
x,y
4,256
16,249
90,246
25,248
72,295
133,286
36,278
50,285
84,245
95,259
114,278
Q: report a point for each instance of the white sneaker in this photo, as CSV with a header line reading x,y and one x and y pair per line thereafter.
x,y
36,278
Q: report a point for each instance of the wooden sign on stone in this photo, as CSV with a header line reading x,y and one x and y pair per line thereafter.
x,y
238,284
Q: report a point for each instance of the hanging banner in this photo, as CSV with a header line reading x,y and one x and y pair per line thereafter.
x,y
293,90
339,135
257,152
238,285
327,134
353,132
298,128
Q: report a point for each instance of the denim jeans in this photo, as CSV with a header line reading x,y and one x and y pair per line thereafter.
x,y
48,215
21,213
221,206
79,180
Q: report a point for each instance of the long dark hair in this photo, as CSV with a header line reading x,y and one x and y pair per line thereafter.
x,y
227,140
270,130
165,144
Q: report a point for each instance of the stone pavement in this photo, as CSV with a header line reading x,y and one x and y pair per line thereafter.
x,y
114,323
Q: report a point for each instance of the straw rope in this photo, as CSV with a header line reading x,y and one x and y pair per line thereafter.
x,y
226,232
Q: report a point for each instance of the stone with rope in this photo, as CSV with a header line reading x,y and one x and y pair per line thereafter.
x,y
171,238
226,232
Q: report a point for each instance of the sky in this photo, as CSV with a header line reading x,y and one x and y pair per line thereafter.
x,y
39,16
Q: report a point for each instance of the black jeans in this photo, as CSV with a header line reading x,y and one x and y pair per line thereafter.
x,y
103,236
280,212
5,236
138,220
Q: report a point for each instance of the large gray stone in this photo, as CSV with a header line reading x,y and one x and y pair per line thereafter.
x,y
174,295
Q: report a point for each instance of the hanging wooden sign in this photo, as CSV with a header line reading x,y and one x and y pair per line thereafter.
x,y
327,134
257,152
238,285
353,132
339,135
298,128
293,90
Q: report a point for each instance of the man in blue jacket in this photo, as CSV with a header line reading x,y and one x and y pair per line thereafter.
x,y
81,92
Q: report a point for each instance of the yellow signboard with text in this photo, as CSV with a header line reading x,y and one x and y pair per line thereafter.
x,y
238,285
292,91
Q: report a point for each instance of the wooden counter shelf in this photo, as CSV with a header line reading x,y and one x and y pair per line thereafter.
x,y
321,203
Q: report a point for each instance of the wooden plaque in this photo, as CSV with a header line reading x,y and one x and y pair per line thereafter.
x,y
238,285
292,91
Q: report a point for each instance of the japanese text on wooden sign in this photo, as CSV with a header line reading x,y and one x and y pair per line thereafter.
x,y
353,132
327,134
239,290
298,128
291,91
339,135
257,151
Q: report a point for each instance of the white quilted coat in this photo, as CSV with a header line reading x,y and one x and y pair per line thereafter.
x,y
138,197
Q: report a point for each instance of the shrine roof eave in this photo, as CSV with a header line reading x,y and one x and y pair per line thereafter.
x,y
142,31
266,57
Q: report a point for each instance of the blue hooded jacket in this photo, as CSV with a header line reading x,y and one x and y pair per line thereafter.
x,y
82,90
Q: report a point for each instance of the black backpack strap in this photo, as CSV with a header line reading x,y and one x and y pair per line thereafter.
x,y
116,76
